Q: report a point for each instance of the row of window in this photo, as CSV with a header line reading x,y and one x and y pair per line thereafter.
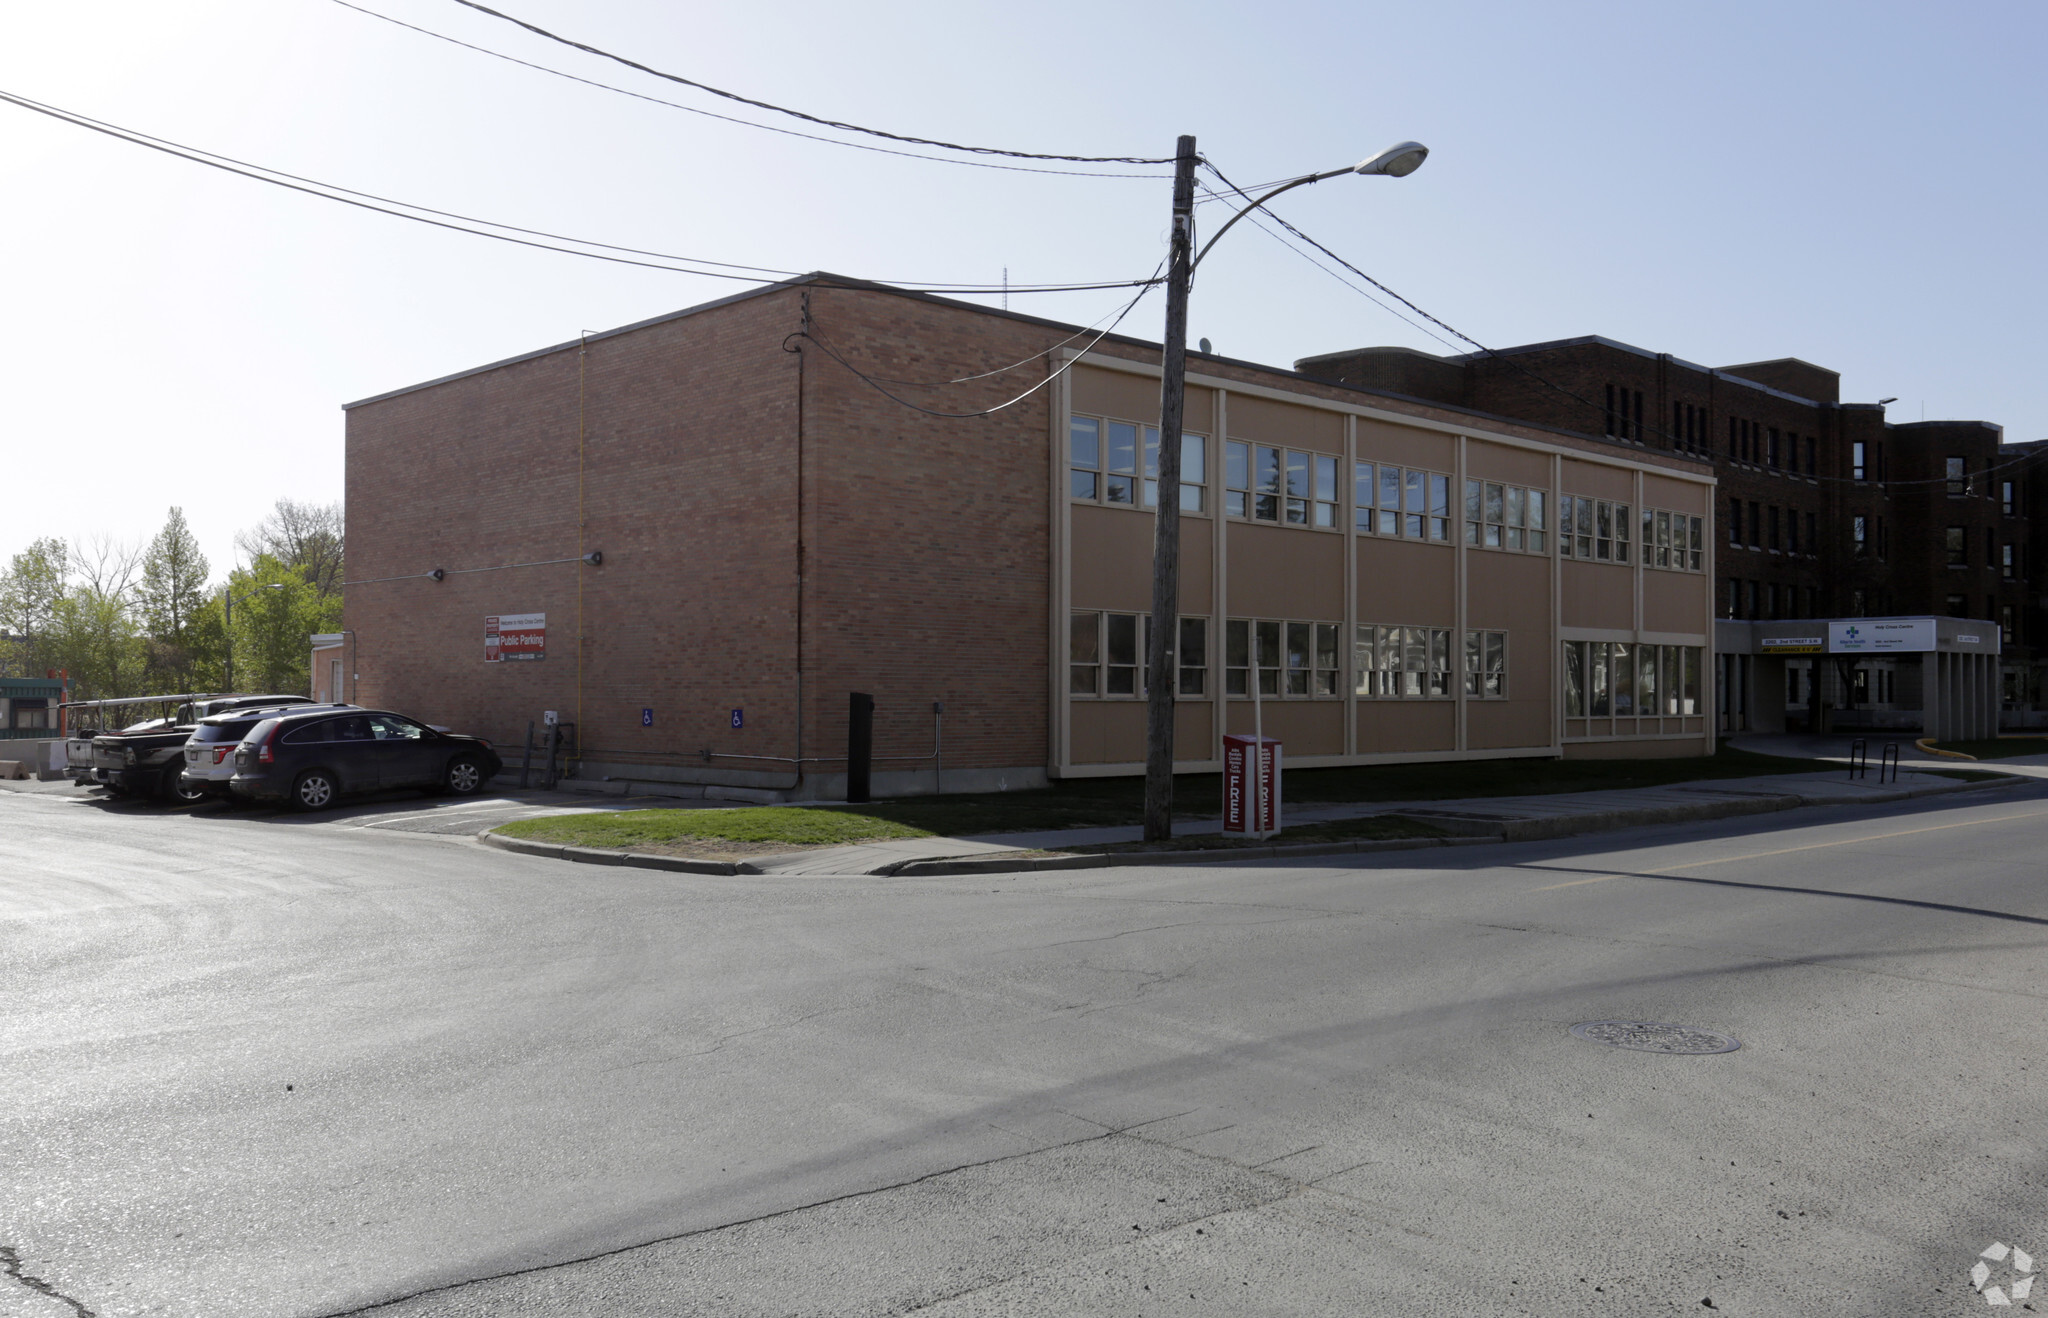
x,y
2008,558
1118,462
1604,679
1766,599
1106,657
1766,446
1777,529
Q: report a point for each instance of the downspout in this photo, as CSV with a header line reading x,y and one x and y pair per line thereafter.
x,y
799,766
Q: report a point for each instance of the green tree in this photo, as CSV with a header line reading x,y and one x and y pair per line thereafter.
x,y
173,589
305,538
273,628
34,583
94,632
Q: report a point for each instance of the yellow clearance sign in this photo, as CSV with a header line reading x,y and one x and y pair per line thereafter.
x,y
1792,645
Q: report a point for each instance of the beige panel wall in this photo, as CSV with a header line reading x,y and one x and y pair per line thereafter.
x,y
1498,462
1135,398
1601,482
1599,595
1108,731
1404,583
1675,602
1284,572
1679,496
1304,727
1379,441
1112,559
1394,726
1268,422
1511,593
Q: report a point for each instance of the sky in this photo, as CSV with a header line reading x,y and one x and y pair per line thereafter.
x,y
1858,185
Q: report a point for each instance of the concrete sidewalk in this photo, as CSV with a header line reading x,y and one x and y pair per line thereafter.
x,y
1470,820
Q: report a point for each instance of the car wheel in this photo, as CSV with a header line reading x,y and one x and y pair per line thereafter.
x,y
464,776
313,790
175,791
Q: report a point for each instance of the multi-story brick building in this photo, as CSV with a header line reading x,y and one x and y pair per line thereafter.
x,y
712,526
1824,508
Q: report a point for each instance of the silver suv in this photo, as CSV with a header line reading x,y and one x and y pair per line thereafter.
x,y
210,750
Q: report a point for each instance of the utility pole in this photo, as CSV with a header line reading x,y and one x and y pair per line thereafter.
x,y
1160,677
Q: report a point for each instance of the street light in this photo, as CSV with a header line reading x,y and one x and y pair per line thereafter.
x,y
1396,161
233,600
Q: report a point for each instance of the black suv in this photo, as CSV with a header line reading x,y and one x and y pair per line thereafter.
x,y
310,759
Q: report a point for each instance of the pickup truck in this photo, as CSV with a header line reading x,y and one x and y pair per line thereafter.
x,y
148,758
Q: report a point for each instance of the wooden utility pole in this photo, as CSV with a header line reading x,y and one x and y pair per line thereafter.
x,y
1160,658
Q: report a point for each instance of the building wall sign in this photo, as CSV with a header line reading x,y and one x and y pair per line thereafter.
x,y
1792,644
1881,636
515,636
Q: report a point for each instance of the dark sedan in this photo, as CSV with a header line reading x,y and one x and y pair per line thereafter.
x,y
311,759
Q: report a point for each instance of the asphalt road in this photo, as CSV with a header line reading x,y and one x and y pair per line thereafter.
x,y
293,1066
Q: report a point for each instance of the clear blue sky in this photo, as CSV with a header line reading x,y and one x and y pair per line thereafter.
x,y
1855,184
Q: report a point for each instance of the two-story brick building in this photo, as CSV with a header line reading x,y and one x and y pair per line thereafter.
x,y
692,537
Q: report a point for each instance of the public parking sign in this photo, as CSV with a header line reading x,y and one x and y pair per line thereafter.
x,y
515,636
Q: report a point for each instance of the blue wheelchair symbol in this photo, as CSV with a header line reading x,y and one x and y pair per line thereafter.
x,y
737,720
646,718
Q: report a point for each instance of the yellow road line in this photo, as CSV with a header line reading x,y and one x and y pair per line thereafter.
x,y
1786,851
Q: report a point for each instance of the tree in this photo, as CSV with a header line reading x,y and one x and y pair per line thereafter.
x,y
305,538
273,627
173,589
93,633
29,592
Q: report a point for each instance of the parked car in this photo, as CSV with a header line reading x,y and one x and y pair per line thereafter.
x,y
310,759
210,751
148,758
91,720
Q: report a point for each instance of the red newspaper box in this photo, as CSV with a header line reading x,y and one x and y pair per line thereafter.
x,y
1251,785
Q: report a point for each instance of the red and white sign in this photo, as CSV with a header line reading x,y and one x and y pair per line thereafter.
x,y
1251,769
515,636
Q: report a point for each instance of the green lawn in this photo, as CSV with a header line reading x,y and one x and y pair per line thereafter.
x,y
792,826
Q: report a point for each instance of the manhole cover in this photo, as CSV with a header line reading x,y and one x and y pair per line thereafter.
x,y
1655,1037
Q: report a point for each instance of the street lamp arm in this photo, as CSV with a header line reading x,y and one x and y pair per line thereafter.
x,y
1306,178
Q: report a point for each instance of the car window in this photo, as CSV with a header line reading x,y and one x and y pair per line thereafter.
x,y
390,727
353,728
260,731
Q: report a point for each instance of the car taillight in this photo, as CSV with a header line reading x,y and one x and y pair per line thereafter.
x,y
221,752
263,755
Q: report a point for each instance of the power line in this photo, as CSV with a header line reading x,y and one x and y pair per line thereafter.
x,y
370,201
710,114
1703,452
876,382
809,118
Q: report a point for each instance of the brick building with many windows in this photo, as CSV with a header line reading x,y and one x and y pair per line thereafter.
x,y
707,529
1823,509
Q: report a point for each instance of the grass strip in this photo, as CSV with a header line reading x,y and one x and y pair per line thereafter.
x,y
2004,748
793,826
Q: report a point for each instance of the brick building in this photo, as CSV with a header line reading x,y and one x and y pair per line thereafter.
x,y
699,533
1824,508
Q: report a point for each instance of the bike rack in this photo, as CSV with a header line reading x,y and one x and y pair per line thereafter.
x,y
1889,760
1859,759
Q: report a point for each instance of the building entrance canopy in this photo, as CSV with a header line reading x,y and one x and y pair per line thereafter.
x,y
1857,636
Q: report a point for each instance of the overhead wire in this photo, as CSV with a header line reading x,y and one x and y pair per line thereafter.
x,y
1705,450
732,119
371,202
840,124
876,382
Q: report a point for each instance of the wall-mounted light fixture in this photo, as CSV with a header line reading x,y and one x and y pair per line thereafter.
x,y
437,575
595,557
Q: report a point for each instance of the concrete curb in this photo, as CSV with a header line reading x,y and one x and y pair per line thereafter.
x,y
1473,829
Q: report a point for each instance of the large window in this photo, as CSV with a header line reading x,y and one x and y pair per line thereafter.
x,y
1486,665
1106,654
1112,461
1292,658
1402,662
1957,473
1271,484
1402,501
1956,540
1608,679
1592,529
1501,516
1673,541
